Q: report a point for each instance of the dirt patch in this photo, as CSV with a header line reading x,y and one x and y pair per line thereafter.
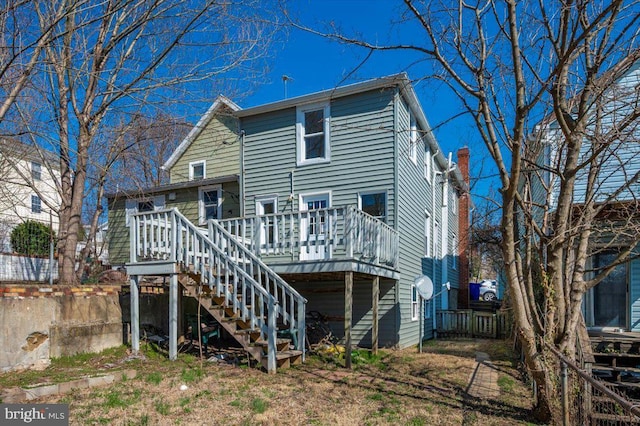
x,y
396,387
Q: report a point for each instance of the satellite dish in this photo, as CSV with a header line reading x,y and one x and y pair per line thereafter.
x,y
424,285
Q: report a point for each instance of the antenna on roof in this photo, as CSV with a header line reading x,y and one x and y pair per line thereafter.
x,y
285,78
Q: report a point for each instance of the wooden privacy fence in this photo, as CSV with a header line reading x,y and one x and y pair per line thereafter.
x,y
470,323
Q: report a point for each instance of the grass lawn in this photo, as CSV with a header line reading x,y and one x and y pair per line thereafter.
x,y
398,387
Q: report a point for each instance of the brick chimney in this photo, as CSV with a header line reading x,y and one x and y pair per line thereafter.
x,y
463,230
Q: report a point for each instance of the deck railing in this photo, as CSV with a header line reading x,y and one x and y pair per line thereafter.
x,y
228,268
330,233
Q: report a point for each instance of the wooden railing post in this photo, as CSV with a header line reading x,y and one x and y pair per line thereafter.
x,y
271,336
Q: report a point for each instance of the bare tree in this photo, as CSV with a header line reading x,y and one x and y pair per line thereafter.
x,y
539,81
110,59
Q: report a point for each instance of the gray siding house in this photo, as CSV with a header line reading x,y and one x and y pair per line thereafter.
x,y
344,194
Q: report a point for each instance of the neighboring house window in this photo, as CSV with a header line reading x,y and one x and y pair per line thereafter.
x,y
415,299
143,204
454,251
36,204
210,203
197,170
267,207
375,204
427,236
36,170
413,140
313,134
427,309
427,165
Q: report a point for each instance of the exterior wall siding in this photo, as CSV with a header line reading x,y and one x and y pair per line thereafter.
x,y
361,148
186,201
634,295
327,297
218,145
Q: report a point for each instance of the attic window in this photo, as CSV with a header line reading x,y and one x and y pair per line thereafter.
x,y
197,170
312,130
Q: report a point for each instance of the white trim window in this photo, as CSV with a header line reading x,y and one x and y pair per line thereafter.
x,y
197,170
428,160
312,134
143,204
413,139
36,170
454,250
374,203
209,203
36,204
415,303
427,236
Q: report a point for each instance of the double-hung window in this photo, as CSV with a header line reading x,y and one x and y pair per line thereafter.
x,y
415,300
36,204
427,165
313,138
36,170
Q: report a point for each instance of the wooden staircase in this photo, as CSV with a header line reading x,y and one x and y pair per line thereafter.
x,y
241,330
246,297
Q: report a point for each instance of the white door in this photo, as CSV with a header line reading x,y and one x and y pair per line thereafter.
x,y
265,209
314,225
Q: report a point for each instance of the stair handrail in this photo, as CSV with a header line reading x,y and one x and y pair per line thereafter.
x,y
256,267
176,250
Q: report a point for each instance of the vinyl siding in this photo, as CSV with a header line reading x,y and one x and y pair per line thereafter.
x,y
414,198
218,145
362,159
327,297
634,295
361,154
186,202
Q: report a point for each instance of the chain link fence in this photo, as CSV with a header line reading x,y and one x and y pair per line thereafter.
x,y
589,400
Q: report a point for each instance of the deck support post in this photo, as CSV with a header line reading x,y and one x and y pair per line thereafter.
x,y
135,314
348,313
374,327
173,317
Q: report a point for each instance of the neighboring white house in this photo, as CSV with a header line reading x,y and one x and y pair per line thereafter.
x,y
29,178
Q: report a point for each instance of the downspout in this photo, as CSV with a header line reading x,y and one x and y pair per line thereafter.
x,y
434,173
396,176
242,200
444,249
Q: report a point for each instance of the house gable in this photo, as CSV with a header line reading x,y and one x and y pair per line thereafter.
x,y
212,144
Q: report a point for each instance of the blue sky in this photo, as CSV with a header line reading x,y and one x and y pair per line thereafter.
x,y
315,63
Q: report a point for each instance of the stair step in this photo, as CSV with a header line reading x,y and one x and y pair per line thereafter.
x,y
281,344
285,359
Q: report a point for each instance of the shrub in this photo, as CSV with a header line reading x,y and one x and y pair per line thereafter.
x,y
31,238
